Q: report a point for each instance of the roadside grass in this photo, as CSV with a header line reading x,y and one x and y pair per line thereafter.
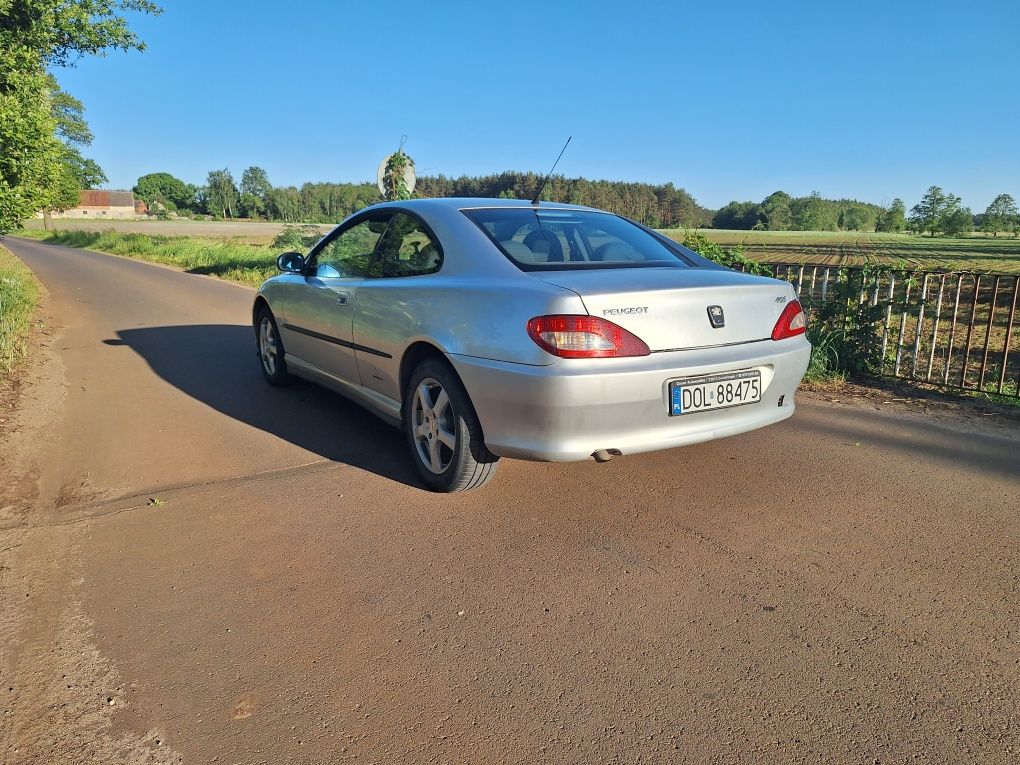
x,y
248,264
1008,397
823,368
974,253
19,296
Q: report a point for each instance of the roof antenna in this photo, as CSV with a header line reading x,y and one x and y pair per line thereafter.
x,y
541,186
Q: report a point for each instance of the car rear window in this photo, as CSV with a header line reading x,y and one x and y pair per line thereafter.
x,y
550,239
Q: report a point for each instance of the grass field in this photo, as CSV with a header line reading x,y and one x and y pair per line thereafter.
x,y
19,295
981,254
251,232
232,259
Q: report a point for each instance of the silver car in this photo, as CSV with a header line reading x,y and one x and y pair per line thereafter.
x,y
489,328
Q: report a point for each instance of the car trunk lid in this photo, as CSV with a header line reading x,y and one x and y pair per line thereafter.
x,y
668,308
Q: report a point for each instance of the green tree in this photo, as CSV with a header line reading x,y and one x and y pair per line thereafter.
x,y
285,204
807,212
59,32
255,189
813,213
166,190
858,217
736,215
957,220
894,219
929,214
221,193
42,129
776,213
33,175
73,130
1001,214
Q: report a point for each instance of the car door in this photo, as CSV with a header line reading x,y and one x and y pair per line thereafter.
x,y
393,300
319,324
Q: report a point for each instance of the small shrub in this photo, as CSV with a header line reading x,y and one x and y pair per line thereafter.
x,y
846,325
299,238
732,257
824,365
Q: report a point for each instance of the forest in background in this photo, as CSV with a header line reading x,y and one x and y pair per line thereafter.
x,y
655,205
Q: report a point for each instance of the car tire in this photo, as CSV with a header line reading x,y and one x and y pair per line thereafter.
x,y
442,430
269,348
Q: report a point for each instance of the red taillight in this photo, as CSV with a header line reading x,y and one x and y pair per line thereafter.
x,y
584,337
791,323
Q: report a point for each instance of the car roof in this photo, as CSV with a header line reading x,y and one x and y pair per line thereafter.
x,y
467,203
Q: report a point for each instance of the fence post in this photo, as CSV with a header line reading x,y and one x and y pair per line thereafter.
x,y
970,328
988,333
903,327
1009,333
952,330
920,325
935,327
888,318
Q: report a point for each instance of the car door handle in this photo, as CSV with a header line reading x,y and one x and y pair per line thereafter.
x,y
343,298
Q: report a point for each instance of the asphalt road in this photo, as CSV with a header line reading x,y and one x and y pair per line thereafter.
x,y
197,568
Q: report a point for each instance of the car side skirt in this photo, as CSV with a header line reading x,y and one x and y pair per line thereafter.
x,y
382,406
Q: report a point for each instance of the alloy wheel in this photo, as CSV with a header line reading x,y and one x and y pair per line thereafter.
x,y
268,348
433,426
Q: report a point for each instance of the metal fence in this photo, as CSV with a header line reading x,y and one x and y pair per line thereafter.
x,y
950,329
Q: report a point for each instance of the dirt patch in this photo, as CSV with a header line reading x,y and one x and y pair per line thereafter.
x,y
30,397
956,410
59,693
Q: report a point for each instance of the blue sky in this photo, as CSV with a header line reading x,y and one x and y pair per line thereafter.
x,y
734,100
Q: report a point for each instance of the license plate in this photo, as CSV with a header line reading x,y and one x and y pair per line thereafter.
x,y
720,391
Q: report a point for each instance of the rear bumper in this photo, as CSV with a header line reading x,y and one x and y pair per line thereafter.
x,y
570,409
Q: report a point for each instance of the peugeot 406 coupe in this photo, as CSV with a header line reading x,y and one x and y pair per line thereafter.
x,y
490,328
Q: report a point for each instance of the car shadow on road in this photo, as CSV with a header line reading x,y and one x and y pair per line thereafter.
x,y
217,364
930,439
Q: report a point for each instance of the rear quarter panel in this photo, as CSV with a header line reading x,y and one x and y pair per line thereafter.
x,y
475,317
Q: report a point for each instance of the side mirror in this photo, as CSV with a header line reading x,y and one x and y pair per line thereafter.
x,y
291,262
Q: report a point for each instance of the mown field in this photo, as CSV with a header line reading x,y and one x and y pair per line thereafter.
x,y
980,254
250,232
975,253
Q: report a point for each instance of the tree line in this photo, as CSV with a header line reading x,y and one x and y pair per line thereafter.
x,y
658,206
941,212
938,212
781,212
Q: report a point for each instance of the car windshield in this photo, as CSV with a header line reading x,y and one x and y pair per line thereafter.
x,y
551,239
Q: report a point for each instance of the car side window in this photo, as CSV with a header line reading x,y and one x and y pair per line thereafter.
x,y
351,252
407,249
